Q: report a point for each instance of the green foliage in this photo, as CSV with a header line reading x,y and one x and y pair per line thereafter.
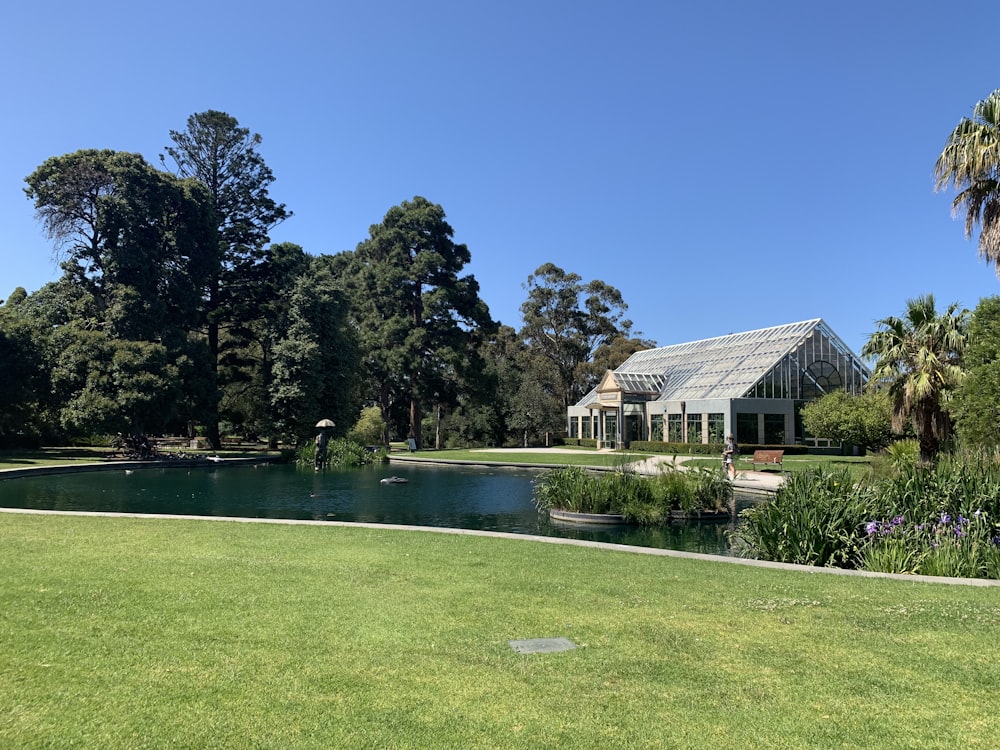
x,y
419,320
813,519
864,420
341,453
369,428
976,405
566,321
969,162
221,156
918,363
933,519
139,246
639,499
315,359
943,545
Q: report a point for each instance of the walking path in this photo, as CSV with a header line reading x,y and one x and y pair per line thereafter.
x,y
746,481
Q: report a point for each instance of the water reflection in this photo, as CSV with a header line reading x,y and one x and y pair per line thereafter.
x,y
493,499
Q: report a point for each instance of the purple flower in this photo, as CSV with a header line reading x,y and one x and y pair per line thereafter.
x,y
898,521
871,527
945,518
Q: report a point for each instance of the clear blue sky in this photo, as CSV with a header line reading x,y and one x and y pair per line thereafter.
x,y
727,166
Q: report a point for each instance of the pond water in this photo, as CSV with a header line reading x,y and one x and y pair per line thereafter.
x,y
493,499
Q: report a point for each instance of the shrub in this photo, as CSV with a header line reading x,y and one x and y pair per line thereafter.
x,y
638,499
815,518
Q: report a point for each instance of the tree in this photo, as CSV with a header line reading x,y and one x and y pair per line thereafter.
x,y
970,161
918,361
864,420
315,359
566,321
610,355
977,401
138,245
419,320
221,155
23,377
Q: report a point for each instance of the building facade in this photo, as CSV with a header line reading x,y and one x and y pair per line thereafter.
x,y
750,384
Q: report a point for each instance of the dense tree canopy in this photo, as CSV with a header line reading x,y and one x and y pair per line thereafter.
x,y
221,155
977,401
864,420
174,311
418,318
138,245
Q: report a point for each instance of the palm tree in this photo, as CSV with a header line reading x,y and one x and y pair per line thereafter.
x,y
918,360
970,162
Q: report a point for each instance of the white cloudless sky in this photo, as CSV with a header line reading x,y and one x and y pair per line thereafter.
x,y
728,166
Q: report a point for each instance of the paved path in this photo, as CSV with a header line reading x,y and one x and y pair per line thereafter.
x,y
748,481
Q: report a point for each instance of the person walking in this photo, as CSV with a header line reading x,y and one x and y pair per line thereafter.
x,y
729,453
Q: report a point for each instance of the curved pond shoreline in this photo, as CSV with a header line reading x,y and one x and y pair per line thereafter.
x,y
756,482
118,465
605,546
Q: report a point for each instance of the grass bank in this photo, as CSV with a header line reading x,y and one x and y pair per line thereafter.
x,y
564,457
67,456
131,633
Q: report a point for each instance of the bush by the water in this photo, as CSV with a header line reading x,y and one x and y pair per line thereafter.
x,y
905,518
341,452
639,499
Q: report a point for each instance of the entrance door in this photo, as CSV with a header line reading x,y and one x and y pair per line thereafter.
x,y
610,430
632,429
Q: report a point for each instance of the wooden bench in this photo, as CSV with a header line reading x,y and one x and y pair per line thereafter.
x,y
767,458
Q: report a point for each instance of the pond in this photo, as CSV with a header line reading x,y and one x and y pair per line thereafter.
x,y
492,499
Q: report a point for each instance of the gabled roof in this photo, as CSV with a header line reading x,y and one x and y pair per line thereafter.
x,y
721,367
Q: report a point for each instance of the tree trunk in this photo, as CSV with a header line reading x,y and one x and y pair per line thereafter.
x,y
415,430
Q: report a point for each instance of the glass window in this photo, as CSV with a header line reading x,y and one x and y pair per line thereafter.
x,y
675,431
694,428
774,429
746,429
716,428
656,427
585,431
573,426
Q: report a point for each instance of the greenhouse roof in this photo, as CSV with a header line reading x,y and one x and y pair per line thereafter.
x,y
721,367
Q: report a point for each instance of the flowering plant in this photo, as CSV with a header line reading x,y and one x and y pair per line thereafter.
x,y
948,545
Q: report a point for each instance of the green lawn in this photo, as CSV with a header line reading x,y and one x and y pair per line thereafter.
x,y
578,456
135,633
857,465
61,456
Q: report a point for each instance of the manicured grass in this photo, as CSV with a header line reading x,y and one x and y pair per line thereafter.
x,y
857,465
61,456
579,456
134,633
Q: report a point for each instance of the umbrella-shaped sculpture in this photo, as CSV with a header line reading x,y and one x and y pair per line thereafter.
x,y
325,423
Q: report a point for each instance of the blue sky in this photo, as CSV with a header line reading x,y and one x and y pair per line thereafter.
x,y
727,166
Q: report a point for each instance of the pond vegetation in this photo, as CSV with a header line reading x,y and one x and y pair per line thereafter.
x,y
903,517
638,499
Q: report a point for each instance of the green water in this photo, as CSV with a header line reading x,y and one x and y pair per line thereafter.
x,y
493,499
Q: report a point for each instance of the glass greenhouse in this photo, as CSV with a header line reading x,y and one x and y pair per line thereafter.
x,y
751,385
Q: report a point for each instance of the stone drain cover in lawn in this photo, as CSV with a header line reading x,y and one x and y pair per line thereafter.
x,y
542,645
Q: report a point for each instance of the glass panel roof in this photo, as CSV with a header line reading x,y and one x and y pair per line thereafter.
x,y
721,367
